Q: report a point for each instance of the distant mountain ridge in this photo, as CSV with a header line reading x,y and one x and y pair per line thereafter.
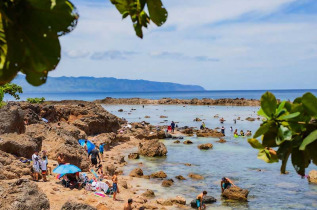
x,y
104,84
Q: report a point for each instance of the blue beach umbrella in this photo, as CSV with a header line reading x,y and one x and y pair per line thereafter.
x,y
90,145
66,169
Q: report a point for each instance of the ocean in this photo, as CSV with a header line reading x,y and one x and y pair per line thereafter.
x,y
235,159
91,96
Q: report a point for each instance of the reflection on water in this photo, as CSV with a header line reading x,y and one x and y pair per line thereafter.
x,y
235,159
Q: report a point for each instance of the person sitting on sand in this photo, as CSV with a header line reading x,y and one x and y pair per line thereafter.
x,y
61,159
199,200
115,185
100,172
128,206
94,155
225,183
36,166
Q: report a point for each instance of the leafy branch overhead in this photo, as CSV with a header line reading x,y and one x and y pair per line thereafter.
x,y
289,127
135,9
30,31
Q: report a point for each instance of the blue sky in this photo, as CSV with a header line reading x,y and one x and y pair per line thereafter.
x,y
218,44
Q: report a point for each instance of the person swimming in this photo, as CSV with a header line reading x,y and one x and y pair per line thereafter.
x,y
241,133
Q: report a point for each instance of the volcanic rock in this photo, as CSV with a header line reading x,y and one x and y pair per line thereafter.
x,y
152,148
235,193
206,200
134,156
196,176
205,146
137,172
180,177
187,142
70,205
159,174
148,194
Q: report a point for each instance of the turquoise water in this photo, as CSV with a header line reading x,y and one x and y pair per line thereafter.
x,y
91,96
234,159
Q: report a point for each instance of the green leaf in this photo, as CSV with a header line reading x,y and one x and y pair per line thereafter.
x,y
308,140
309,101
289,116
283,154
138,30
31,29
261,113
283,134
268,104
255,144
269,138
158,13
280,107
265,155
125,14
262,129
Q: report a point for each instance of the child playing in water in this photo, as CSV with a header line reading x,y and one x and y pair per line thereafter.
x,y
199,200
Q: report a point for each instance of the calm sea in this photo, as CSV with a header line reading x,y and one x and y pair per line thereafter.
x,y
90,96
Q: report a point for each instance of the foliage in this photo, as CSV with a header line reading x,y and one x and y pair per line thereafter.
x,y
11,89
289,127
36,100
30,31
140,18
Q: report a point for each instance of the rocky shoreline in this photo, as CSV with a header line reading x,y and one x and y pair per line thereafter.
x,y
172,101
56,128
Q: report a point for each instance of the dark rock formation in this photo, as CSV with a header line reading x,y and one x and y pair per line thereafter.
x,y
11,120
235,193
70,205
205,146
159,174
137,172
134,156
148,194
168,183
206,200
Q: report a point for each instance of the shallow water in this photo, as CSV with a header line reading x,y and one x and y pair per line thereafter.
x,y
234,159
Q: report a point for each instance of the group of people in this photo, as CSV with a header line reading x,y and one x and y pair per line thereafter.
x,y
40,165
236,134
225,183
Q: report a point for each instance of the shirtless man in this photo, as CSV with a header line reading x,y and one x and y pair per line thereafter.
x,y
225,183
199,200
128,206
115,185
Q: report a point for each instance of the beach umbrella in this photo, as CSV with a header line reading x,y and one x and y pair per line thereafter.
x,y
66,169
90,145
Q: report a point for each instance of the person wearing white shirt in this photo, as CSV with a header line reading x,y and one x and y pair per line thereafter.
x,y
36,166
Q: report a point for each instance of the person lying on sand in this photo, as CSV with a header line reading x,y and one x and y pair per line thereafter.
x,y
199,200
128,206
225,183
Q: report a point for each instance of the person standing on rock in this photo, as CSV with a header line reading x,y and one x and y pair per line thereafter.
x,y
128,206
199,200
94,154
223,130
36,166
115,185
173,126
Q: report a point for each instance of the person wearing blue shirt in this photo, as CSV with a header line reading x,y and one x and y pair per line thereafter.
x,y
101,149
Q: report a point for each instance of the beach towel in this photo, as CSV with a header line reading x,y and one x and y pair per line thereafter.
x,y
94,173
102,186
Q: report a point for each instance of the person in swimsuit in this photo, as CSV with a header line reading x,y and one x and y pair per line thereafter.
x,y
128,206
115,185
225,183
36,166
61,159
199,200
94,155
101,149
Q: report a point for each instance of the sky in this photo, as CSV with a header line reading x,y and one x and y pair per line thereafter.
x,y
218,44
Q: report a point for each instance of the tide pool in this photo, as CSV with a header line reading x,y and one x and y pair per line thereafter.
x,y
235,159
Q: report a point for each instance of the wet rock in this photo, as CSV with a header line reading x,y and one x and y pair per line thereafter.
x,y
208,133
134,156
20,145
180,177
235,193
137,172
188,164
12,119
177,142
187,142
205,146
312,176
162,116
206,200
168,183
159,174
152,148
120,110
197,119
148,194
22,194
147,117
221,141
195,176
250,119
70,205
